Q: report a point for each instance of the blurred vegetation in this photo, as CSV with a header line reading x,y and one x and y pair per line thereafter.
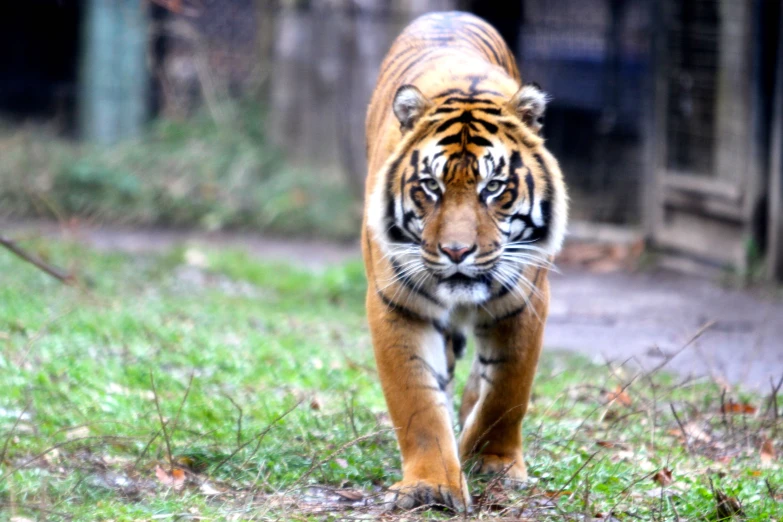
x,y
192,173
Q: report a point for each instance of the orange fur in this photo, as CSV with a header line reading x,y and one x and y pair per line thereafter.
x,y
465,209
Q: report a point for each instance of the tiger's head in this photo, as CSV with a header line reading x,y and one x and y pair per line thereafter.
x,y
470,197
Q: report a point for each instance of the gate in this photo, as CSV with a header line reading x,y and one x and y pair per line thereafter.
x,y
706,197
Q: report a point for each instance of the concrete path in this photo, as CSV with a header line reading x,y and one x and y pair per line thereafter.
x,y
646,315
614,316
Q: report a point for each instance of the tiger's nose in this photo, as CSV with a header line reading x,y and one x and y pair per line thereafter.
x,y
457,252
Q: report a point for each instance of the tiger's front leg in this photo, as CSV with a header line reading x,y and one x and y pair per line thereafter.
x,y
411,359
496,397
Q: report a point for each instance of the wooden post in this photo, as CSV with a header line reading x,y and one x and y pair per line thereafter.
x,y
113,73
775,214
654,114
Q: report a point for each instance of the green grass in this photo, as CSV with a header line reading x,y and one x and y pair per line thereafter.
x,y
193,173
265,379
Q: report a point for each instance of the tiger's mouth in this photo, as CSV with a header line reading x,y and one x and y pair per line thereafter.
x,y
462,279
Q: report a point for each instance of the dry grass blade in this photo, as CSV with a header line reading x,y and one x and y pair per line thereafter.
x,y
576,473
163,422
19,417
333,454
682,428
32,459
706,326
259,437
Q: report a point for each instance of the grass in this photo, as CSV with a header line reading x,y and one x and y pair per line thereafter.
x,y
255,384
193,173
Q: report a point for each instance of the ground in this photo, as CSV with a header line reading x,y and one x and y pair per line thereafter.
x,y
202,382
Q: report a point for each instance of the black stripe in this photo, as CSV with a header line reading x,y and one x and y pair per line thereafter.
x,y
491,128
488,110
394,60
478,140
443,381
468,99
512,313
451,139
481,33
410,314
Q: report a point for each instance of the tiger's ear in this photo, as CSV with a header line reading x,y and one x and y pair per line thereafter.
x,y
409,104
529,103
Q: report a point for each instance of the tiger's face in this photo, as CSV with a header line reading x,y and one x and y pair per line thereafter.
x,y
468,199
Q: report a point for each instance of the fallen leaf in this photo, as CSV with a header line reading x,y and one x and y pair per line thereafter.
x,y
615,445
557,494
767,452
663,477
727,506
693,431
350,494
738,408
175,479
619,395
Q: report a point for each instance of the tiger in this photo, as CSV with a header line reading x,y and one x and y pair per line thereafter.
x,y
464,210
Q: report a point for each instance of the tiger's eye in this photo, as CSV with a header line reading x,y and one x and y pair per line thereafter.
x,y
493,186
432,184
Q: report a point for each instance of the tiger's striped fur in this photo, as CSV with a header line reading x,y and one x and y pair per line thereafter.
x,y
465,209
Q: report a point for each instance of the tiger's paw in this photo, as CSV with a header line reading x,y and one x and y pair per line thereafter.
x,y
511,467
411,494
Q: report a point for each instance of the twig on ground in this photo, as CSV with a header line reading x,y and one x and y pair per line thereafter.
x,y
33,507
57,273
492,483
239,419
728,424
626,491
11,432
58,446
333,454
771,491
773,399
163,422
40,333
351,414
585,463
258,437
586,500
175,420
669,356
146,448
682,428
